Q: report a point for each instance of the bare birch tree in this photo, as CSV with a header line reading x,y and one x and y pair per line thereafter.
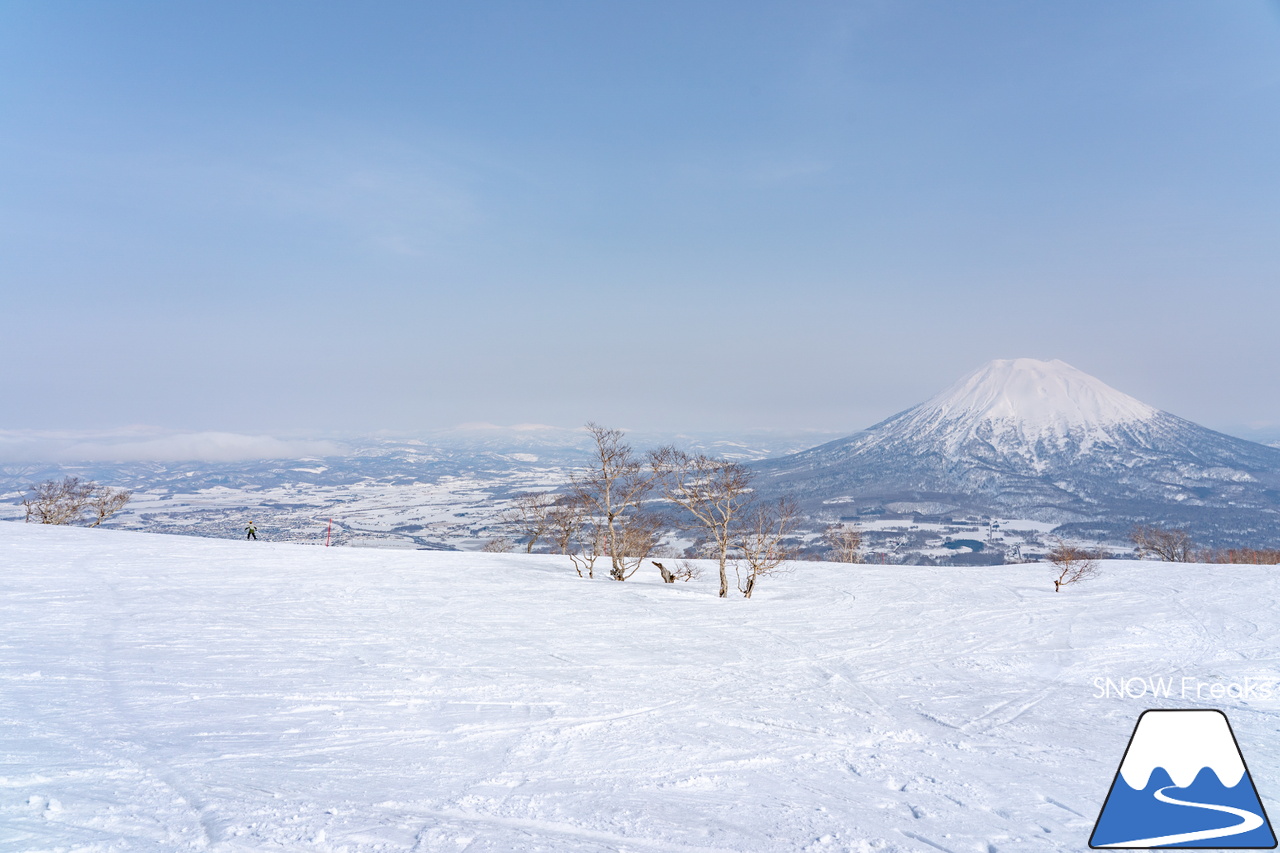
x,y
565,519
497,545
762,544
1072,563
613,489
712,492
585,547
529,513
638,534
844,543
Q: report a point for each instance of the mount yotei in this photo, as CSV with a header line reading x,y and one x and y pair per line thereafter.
x,y
1043,440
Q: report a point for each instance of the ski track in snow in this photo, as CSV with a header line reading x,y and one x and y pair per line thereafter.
x,y
176,694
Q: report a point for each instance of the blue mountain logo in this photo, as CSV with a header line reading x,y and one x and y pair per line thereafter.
x,y
1183,783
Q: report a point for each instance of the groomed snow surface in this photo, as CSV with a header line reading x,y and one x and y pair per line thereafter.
x,y
171,694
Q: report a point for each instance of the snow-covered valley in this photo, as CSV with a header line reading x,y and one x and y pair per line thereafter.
x,y
444,491
173,693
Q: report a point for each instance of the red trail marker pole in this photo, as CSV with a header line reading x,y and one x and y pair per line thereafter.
x,y
327,531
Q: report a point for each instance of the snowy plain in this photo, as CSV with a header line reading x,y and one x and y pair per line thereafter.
x,y
169,693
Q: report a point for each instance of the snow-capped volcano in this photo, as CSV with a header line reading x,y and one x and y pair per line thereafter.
x,y
1048,441
1027,402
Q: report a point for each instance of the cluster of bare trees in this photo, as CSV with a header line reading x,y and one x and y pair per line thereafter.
x,y
1073,563
619,507
1250,556
72,500
1175,546
1170,545
714,502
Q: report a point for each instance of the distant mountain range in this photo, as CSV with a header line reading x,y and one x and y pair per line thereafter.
x,y
1043,440
157,462
1018,438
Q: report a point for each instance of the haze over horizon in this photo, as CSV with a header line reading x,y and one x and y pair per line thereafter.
x,y
1035,394
300,219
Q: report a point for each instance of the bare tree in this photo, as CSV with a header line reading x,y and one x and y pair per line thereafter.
x,y
683,571
762,545
573,533
106,502
497,545
565,519
54,502
586,546
1170,545
613,489
638,535
712,492
1072,563
529,513
667,577
67,502
844,543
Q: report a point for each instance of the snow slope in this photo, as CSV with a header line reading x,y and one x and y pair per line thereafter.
x,y
173,694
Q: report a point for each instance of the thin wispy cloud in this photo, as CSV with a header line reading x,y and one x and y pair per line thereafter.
x,y
148,446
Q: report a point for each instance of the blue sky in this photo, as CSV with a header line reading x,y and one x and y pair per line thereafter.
x,y
320,217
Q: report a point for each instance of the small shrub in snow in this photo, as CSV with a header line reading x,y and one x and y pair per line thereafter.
x,y
683,571
1072,564
686,571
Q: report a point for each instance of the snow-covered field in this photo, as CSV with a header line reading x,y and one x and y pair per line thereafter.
x,y
450,511
170,693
